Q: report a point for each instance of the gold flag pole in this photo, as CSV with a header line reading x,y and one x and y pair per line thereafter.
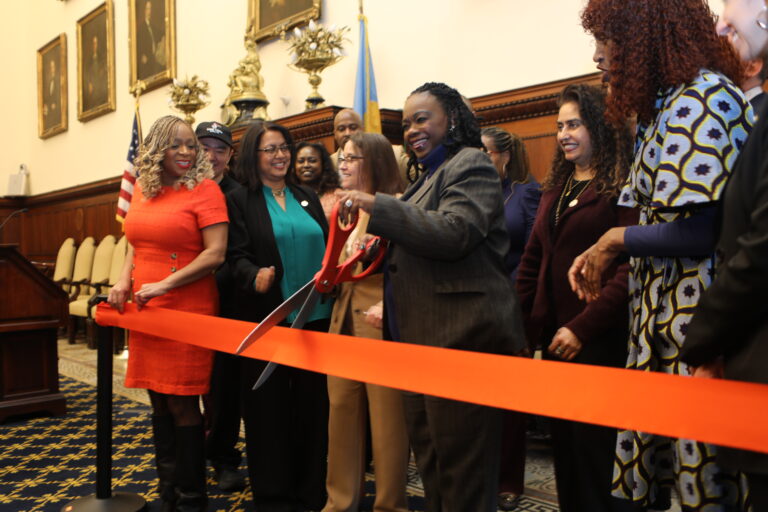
x,y
136,90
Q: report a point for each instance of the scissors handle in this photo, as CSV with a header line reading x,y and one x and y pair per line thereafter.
x,y
345,270
325,279
331,272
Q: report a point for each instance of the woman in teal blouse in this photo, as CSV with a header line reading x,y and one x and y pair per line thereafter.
x,y
277,241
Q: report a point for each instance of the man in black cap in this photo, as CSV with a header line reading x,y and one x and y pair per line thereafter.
x,y
222,404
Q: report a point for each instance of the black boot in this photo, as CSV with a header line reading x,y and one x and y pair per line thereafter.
x,y
165,460
190,469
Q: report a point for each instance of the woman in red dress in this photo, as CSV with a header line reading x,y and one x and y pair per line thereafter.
x,y
177,234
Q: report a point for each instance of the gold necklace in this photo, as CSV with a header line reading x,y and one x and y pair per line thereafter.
x,y
278,192
567,189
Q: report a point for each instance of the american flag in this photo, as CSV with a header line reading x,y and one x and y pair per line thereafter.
x,y
129,175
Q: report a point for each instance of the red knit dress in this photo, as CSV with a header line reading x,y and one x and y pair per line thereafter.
x,y
165,232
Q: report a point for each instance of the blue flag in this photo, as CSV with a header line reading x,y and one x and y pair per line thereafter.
x,y
366,101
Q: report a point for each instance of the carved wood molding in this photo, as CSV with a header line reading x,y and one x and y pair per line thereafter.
x,y
525,103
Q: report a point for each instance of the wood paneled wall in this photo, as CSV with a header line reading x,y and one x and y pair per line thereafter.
x,y
89,210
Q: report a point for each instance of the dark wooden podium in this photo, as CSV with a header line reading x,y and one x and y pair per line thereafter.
x,y
32,307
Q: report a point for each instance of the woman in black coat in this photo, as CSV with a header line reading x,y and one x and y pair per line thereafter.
x,y
277,241
728,335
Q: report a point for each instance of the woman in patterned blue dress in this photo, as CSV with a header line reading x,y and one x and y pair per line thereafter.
x,y
666,65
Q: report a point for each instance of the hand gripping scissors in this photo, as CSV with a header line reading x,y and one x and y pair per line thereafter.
x,y
330,274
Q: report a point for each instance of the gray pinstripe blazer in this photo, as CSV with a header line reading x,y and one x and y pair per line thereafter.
x,y
446,258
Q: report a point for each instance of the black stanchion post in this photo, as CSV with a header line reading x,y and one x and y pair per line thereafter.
x,y
105,500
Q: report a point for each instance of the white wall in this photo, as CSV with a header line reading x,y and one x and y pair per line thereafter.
x,y
478,46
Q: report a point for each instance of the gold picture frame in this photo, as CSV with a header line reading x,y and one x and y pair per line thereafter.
x,y
152,42
270,18
52,87
96,63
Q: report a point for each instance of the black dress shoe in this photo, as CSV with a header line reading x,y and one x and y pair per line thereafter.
x,y
508,501
229,479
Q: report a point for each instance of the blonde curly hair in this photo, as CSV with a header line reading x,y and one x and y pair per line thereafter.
x,y
149,160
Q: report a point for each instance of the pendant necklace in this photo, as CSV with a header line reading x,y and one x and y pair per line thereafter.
x,y
573,202
568,189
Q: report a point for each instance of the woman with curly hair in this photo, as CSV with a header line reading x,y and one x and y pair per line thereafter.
x,y
666,65
445,285
578,205
315,170
177,234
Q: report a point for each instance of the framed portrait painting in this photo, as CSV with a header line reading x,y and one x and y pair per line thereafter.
x,y
271,17
52,87
152,41
96,63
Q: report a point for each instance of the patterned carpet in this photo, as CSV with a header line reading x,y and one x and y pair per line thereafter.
x,y
46,462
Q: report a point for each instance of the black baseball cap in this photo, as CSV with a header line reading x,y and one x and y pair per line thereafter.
x,y
214,130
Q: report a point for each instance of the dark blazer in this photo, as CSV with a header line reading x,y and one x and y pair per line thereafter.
x,y
446,254
224,279
252,245
546,298
521,202
731,319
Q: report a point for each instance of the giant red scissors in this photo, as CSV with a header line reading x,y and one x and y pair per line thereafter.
x,y
331,274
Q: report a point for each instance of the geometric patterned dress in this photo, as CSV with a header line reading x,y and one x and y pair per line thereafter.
x,y
682,161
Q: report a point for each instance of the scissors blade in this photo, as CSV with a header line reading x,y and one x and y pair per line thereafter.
x,y
277,316
298,323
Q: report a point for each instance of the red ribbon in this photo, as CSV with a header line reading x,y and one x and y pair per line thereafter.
x,y
721,412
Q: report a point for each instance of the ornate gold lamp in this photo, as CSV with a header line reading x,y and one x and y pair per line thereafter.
x,y
312,51
188,96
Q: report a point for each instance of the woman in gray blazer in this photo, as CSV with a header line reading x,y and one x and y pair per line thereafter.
x,y
445,285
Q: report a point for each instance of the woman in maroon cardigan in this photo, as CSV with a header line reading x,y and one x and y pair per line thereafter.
x,y
578,205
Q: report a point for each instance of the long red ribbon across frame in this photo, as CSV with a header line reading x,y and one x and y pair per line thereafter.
x,y
720,412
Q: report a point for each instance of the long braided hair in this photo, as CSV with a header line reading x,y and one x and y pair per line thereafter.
x,y
463,131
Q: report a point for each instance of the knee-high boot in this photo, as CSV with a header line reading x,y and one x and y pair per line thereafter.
x,y
165,460
190,469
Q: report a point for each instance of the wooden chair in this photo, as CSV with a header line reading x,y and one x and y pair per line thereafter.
x,y
65,263
115,270
92,267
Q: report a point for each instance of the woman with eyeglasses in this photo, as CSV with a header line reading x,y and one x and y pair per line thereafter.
x,y
521,201
728,335
445,285
277,241
667,67
367,163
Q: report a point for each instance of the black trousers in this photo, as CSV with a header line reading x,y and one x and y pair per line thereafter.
x,y
457,446
286,434
512,465
223,411
758,491
584,456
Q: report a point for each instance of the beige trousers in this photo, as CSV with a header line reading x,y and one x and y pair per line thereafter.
x,y
346,445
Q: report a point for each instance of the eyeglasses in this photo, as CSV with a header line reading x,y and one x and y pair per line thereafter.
x,y
271,150
761,20
349,158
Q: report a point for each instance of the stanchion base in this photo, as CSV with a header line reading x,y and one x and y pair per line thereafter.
x,y
118,502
